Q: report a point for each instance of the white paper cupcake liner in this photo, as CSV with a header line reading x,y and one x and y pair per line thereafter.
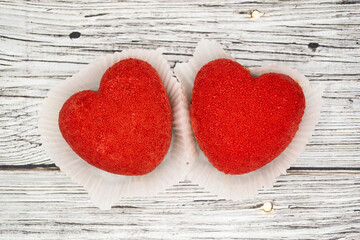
x,y
105,188
237,187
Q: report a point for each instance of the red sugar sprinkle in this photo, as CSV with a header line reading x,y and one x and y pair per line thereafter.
x,y
125,126
242,123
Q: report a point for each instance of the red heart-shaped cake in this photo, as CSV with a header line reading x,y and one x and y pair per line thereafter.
x,y
242,123
125,126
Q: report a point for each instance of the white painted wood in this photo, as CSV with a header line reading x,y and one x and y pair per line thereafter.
x,y
47,205
37,53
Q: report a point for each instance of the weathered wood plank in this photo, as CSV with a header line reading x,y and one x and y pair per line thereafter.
x,y
319,38
37,53
335,142
47,205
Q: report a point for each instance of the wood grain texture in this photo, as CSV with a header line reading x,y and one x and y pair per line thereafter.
x,y
37,53
47,205
44,42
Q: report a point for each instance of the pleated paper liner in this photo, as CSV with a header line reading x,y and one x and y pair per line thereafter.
x,y
237,187
104,188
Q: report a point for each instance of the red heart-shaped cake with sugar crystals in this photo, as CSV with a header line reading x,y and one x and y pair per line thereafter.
x,y
242,123
125,126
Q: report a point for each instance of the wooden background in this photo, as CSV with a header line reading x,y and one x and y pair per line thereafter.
x,y
44,42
